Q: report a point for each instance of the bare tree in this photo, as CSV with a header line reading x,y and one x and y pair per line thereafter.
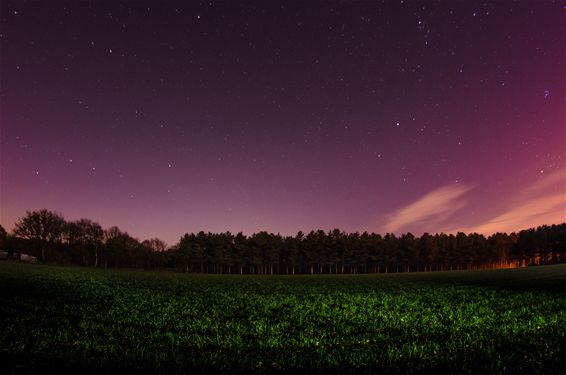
x,y
87,234
44,226
155,244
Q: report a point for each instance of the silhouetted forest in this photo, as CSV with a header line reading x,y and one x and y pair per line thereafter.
x,y
49,237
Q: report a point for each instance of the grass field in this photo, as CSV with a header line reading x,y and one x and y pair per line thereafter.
x,y
57,319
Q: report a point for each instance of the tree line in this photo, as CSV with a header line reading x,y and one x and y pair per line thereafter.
x,y
52,239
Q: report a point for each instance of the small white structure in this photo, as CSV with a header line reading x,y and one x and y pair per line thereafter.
x,y
3,255
28,259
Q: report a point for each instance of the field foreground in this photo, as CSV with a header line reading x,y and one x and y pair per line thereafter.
x,y
57,319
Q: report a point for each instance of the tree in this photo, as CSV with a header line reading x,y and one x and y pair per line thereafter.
x,y
239,250
428,248
3,237
314,245
498,248
408,253
390,250
45,227
296,255
86,234
122,249
335,250
557,241
155,244
376,255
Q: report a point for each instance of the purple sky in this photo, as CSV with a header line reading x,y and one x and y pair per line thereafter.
x,y
164,117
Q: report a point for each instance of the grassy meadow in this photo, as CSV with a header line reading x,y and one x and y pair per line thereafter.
x,y
57,319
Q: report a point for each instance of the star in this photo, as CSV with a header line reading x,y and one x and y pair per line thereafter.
x,y
546,94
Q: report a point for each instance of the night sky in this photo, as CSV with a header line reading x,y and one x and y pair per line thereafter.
x,y
164,118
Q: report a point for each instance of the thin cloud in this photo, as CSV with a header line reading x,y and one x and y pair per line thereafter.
x,y
538,211
536,205
435,207
549,181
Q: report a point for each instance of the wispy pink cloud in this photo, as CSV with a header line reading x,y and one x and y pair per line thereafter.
x,y
542,202
434,207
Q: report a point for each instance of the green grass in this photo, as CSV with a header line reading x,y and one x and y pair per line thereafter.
x,y
77,319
